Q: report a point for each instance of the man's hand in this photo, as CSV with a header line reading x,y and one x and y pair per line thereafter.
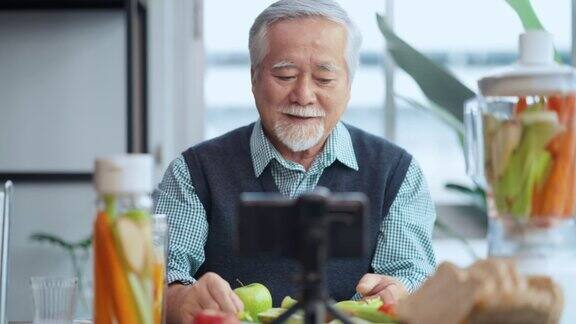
x,y
387,288
209,292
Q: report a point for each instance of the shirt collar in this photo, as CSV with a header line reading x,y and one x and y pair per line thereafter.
x,y
338,147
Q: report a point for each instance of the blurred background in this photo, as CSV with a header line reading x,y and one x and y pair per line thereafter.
x,y
86,78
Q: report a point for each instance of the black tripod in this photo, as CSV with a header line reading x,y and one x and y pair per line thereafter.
x,y
314,242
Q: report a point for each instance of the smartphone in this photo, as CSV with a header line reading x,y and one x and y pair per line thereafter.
x,y
268,224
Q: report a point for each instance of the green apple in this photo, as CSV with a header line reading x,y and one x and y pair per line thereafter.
x,y
256,298
352,307
270,315
244,316
288,302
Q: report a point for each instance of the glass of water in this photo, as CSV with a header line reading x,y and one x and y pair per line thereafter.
x,y
54,299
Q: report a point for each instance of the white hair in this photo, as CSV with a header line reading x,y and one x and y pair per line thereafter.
x,y
295,9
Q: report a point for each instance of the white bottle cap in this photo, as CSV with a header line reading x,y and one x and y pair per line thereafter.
x,y
536,47
124,174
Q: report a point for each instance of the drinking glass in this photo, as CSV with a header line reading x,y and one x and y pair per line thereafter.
x,y
54,299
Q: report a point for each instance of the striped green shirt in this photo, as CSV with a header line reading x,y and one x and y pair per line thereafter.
x,y
404,248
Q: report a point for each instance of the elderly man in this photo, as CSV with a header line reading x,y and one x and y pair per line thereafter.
x,y
303,57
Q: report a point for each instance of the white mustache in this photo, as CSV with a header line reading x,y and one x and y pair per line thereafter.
x,y
300,111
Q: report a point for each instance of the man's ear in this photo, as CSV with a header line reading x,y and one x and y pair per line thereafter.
x,y
252,74
253,77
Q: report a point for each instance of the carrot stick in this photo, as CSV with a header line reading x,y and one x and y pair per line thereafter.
x,y
556,104
102,311
570,203
124,306
158,290
557,187
521,105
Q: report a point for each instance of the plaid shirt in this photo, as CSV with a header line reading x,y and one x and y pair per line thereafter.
x,y
404,248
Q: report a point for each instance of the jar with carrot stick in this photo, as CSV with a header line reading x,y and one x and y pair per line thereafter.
x,y
521,148
124,258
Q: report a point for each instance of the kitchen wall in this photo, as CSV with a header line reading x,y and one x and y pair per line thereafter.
x,y
62,102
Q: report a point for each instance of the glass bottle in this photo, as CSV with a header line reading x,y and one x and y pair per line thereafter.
x,y
123,250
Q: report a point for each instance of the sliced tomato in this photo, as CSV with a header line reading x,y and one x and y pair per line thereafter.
x,y
387,309
214,317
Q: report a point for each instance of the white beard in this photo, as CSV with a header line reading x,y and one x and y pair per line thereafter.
x,y
300,136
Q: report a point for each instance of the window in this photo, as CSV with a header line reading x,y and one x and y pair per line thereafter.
x,y
229,101
469,37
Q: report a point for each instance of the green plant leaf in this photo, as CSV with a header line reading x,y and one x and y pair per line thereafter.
x,y
446,229
477,194
529,19
437,83
52,239
440,113
83,244
461,188
526,13
58,241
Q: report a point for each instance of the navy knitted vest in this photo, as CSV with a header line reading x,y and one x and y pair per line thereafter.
x,y
221,169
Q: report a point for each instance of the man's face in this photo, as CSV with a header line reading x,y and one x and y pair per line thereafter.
x,y
301,87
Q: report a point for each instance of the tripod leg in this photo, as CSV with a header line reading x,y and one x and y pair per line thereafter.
x,y
282,318
337,314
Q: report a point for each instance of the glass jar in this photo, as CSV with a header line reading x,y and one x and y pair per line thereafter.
x,y
521,149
